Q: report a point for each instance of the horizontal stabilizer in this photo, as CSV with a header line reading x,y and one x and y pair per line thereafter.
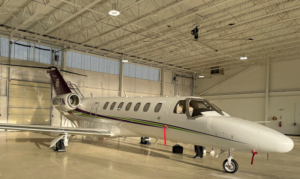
x,y
58,130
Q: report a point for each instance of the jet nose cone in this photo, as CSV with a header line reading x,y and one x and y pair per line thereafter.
x,y
284,145
271,141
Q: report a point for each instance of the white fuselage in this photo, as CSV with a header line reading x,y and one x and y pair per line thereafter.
x,y
212,129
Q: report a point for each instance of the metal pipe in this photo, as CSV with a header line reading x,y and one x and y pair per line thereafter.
x,y
267,92
163,71
121,79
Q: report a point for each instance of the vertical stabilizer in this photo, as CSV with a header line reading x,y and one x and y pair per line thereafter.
x,y
59,84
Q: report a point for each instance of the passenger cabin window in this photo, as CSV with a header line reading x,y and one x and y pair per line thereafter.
x,y
137,106
180,107
105,105
120,106
146,107
112,105
157,107
128,106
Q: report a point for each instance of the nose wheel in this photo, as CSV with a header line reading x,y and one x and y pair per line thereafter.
x,y
229,165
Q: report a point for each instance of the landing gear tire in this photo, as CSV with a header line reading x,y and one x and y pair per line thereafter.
x,y
60,146
230,168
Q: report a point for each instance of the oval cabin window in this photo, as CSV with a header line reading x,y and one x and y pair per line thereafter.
x,y
105,105
146,107
128,106
157,107
120,105
137,107
112,105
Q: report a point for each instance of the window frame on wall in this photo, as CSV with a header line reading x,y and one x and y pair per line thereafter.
x,y
91,62
28,50
142,72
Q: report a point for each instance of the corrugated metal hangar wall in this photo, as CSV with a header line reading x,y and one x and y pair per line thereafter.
x,y
103,80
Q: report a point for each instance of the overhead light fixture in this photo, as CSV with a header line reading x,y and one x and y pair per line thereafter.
x,y
201,76
114,11
243,57
124,61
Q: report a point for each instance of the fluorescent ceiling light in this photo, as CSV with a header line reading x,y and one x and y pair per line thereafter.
x,y
201,76
114,13
243,58
124,61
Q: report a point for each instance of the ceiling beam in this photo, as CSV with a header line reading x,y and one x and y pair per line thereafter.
x,y
101,20
47,15
33,16
244,23
4,5
186,14
91,50
71,17
136,20
260,54
180,58
17,11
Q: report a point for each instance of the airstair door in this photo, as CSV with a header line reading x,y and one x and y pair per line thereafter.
x,y
94,109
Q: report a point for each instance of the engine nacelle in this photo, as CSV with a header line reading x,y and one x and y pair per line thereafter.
x,y
66,102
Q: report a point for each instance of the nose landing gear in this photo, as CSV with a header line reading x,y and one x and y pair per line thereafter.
x,y
229,165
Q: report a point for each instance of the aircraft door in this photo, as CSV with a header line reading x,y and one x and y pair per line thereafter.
x,y
179,111
94,109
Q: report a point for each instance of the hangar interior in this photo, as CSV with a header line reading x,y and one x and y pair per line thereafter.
x,y
244,58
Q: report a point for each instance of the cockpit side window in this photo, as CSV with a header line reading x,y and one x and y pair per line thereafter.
x,y
180,107
196,107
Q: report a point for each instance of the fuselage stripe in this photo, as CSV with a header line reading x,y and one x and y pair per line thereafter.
x,y
145,123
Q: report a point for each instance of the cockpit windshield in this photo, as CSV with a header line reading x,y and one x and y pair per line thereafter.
x,y
197,107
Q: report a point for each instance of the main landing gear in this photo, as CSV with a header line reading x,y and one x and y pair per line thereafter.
x,y
229,165
60,142
60,146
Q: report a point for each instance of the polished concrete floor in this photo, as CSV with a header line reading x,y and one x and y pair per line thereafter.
x,y
27,155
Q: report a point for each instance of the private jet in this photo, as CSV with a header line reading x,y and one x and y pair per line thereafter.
x,y
189,120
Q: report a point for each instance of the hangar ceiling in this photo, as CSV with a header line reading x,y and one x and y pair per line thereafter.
x,y
158,32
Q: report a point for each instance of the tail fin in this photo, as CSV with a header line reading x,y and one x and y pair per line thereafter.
x,y
59,84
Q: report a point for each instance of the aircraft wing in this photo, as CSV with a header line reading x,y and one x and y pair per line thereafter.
x,y
58,130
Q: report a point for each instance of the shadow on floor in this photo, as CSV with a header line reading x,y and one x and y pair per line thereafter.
x,y
143,150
